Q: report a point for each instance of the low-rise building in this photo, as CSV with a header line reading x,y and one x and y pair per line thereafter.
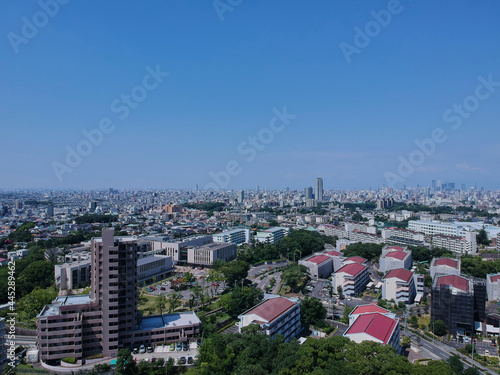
x,y
493,287
365,237
399,285
444,266
272,235
355,259
153,267
276,316
394,257
206,255
456,244
352,277
237,236
72,275
379,327
319,265
178,249
337,258
453,302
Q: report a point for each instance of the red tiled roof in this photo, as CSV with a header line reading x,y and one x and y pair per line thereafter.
x,y
352,269
454,281
355,259
495,278
271,308
371,308
376,325
446,262
398,248
333,253
396,254
318,259
400,273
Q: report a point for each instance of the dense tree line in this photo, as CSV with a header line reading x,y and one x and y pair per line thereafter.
x,y
477,267
299,243
254,353
32,271
421,253
366,250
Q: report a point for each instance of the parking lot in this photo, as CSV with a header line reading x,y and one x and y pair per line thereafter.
x,y
165,353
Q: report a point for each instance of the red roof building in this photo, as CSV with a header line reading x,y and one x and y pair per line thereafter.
x,y
276,316
376,327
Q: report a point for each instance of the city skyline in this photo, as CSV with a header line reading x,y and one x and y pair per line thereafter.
x,y
176,95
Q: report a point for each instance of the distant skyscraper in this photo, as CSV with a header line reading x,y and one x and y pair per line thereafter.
x,y
318,192
196,188
433,184
439,185
241,196
92,206
463,186
50,210
258,189
308,192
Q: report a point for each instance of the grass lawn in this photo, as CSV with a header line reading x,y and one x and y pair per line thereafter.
x,y
424,319
146,304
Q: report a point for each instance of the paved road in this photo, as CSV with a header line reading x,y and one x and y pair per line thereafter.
x,y
441,351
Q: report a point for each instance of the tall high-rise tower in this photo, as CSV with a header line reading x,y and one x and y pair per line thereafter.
x,y
114,288
308,192
318,191
241,196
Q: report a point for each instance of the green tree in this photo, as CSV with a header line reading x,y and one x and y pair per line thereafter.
x,y
37,274
32,303
294,275
482,238
456,364
406,342
174,301
439,328
312,310
188,278
125,364
340,290
160,303
241,299
235,271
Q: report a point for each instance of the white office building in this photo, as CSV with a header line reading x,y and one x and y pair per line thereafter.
x,y
237,236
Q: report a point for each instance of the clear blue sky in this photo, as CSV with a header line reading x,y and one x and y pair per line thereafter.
x,y
353,120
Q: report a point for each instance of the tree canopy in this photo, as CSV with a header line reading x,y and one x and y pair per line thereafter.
x,y
255,353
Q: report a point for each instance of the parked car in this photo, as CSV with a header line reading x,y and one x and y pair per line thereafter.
x,y
153,359
142,349
172,347
466,340
135,351
182,360
185,347
150,349
486,352
190,360
162,288
179,346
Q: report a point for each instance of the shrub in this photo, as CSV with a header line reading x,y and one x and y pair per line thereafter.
x,y
70,360
95,356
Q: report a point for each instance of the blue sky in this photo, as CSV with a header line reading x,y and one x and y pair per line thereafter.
x,y
354,121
